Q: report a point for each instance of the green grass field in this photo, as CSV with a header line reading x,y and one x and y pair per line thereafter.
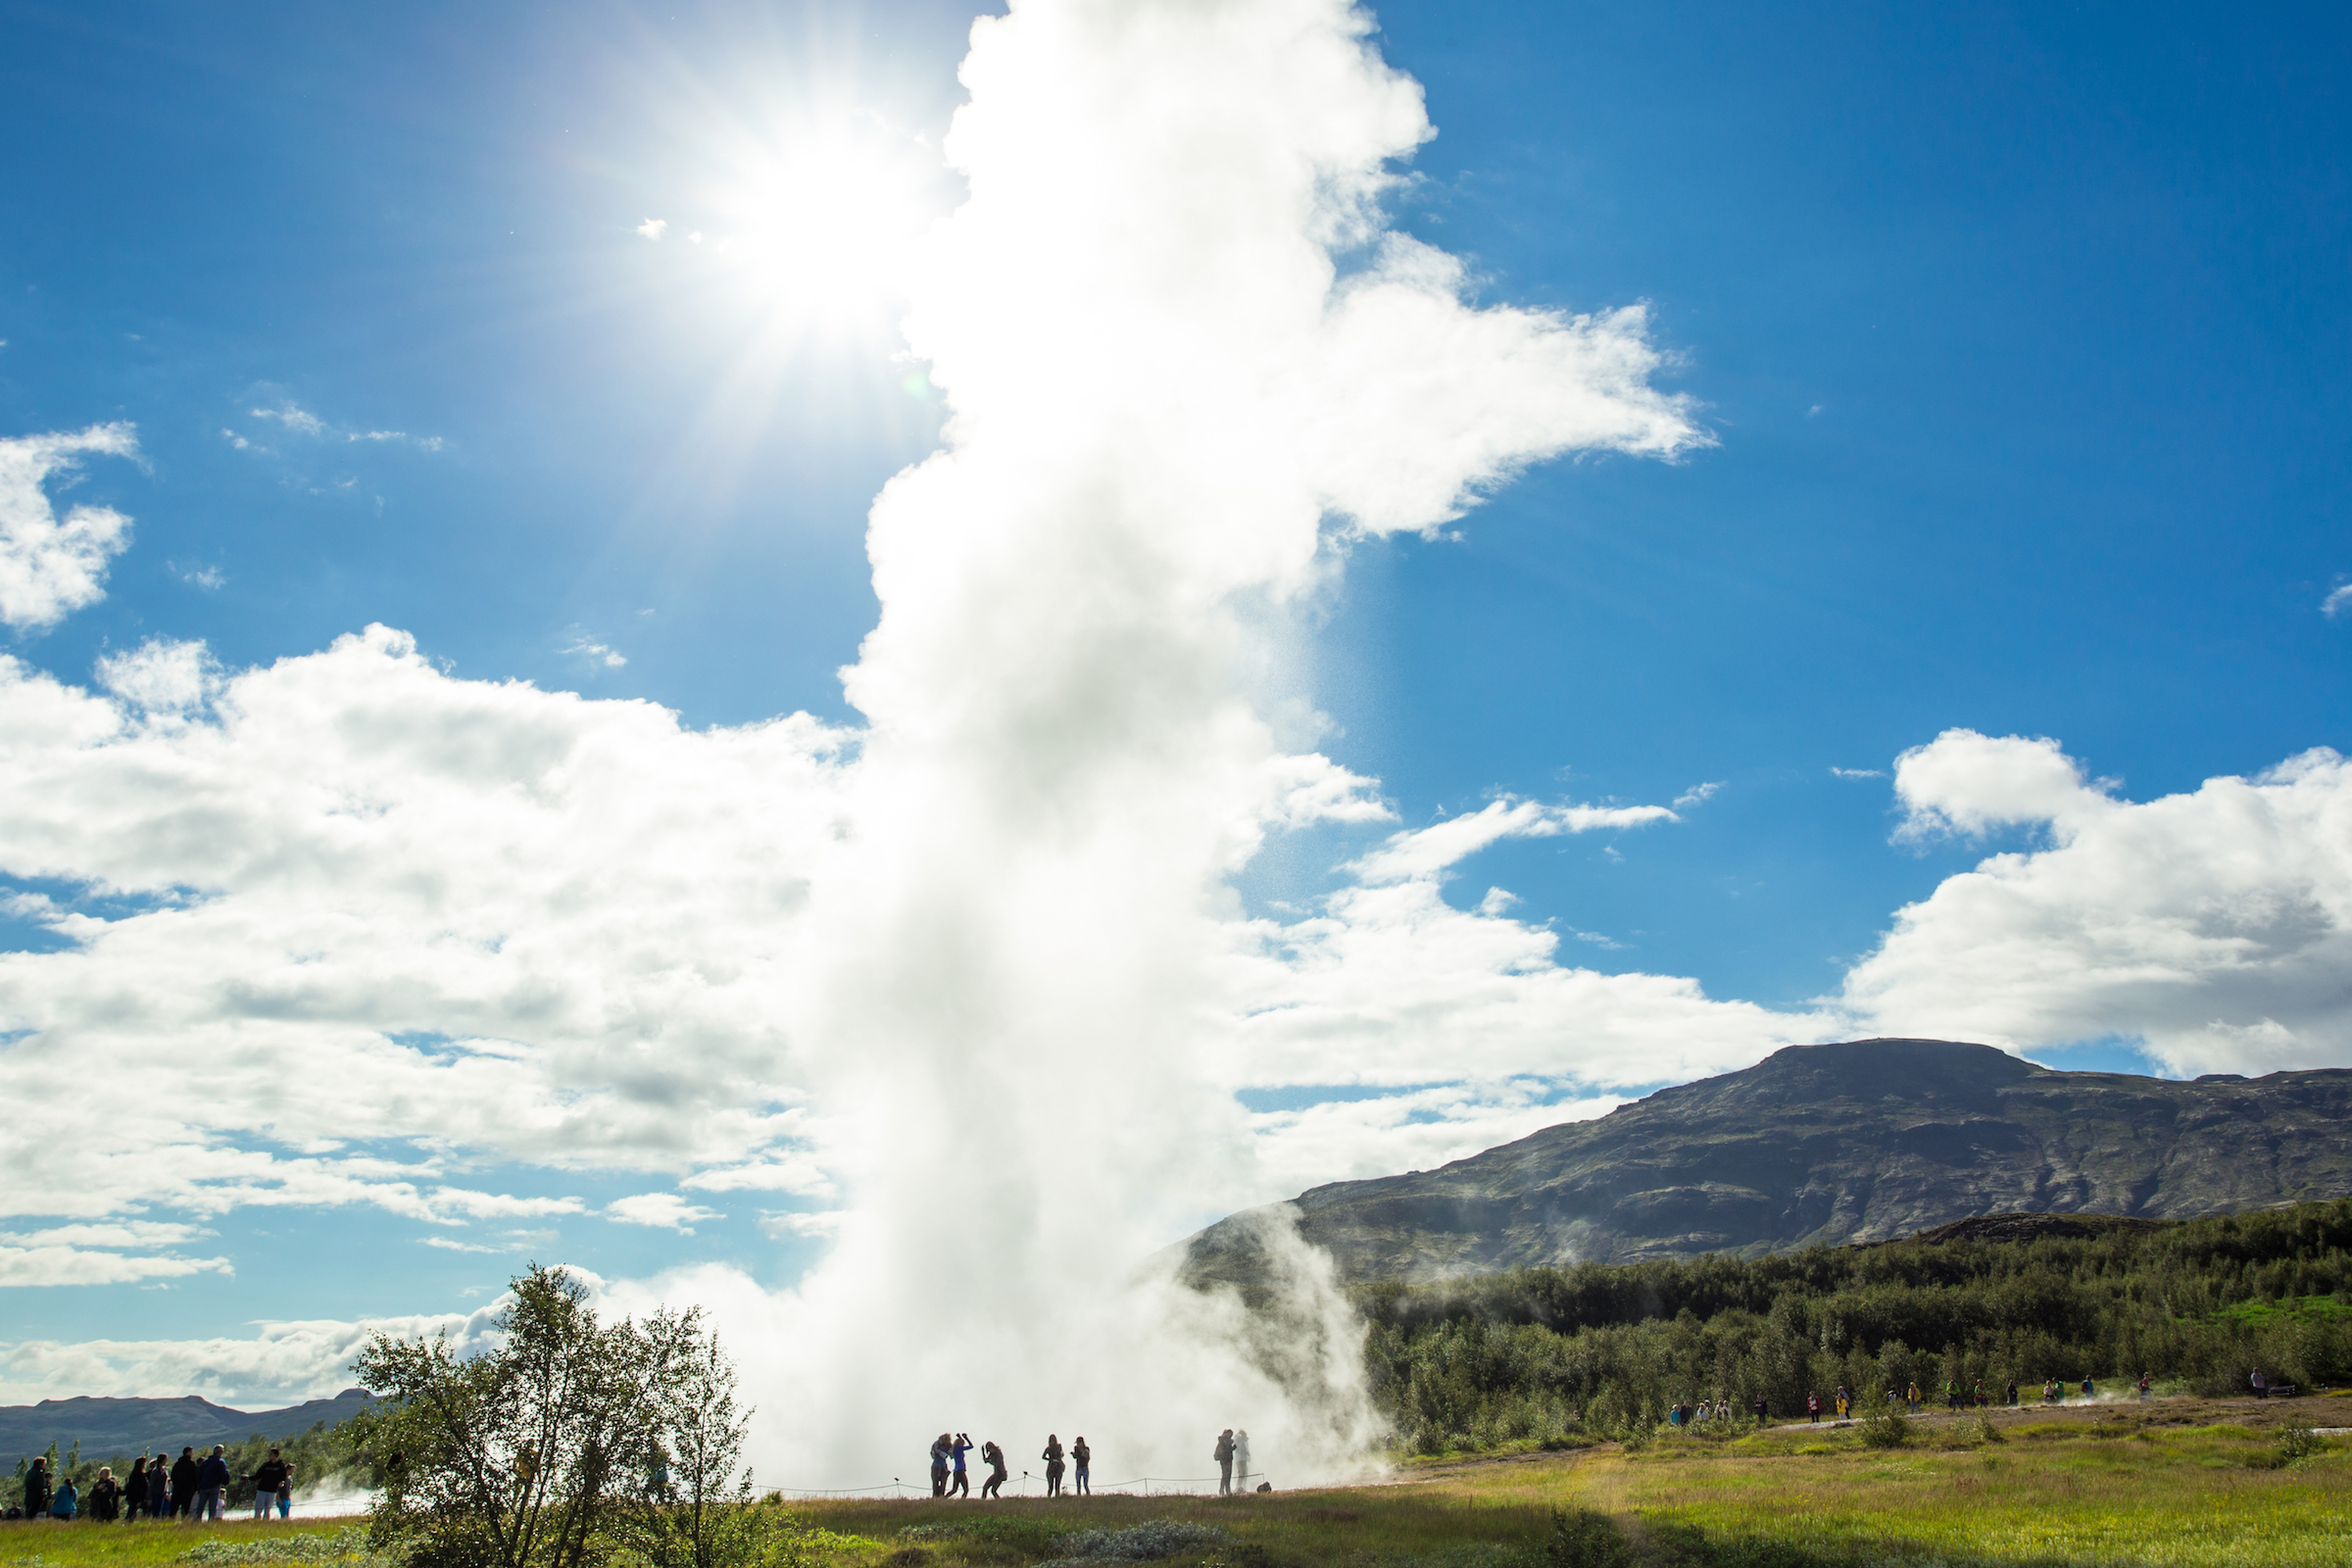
x,y
2183,1483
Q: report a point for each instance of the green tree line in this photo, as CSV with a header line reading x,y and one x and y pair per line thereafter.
x,y
1547,1353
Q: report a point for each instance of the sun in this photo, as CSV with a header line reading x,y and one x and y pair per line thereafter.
x,y
818,224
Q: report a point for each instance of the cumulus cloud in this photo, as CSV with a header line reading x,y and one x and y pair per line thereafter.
x,y
653,227
661,1211
2215,925
282,1363
162,678
52,567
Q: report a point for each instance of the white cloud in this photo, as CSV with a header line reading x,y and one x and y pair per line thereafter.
x,y
207,578
51,567
583,646
2215,925
653,227
1421,1129
294,417
1430,851
166,680
1968,784
662,1210
1859,773
74,1266
1698,795
794,1224
301,422
450,1243
283,1363
2337,599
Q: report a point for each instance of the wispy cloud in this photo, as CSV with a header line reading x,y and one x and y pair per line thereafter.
x,y
1697,794
205,577
1859,773
583,646
300,420
2333,604
447,1244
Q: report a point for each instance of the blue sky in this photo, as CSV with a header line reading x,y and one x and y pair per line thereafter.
x,y
2022,333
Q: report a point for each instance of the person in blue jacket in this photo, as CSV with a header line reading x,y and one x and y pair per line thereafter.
x,y
68,1502
212,1479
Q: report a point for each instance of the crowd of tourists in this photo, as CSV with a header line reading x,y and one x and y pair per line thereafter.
x,y
951,1472
158,1486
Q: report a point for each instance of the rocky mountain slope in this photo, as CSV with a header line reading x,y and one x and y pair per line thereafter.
x,y
108,1427
1857,1142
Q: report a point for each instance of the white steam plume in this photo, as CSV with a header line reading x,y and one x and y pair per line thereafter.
x,y
1165,396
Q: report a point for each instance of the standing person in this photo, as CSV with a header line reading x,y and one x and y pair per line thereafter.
x,y
961,1486
212,1479
106,1495
1241,1456
183,1482
1915,1398
1081,1456
2089,1390
67,1502
1845,1401
1053,1467
37,1484
134,1489
2261,1385
269,1482
1763,1410
1813,1407
158,1488
1223,1455
939,1465
2147,1383
993,1487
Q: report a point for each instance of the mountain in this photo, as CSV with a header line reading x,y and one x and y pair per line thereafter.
x,y
109,1427
1862,1140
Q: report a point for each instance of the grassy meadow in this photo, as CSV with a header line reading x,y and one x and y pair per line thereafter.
x,y
2178,1483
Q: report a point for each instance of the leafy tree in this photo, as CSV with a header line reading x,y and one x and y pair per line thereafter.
x,y
694,1509
536,1452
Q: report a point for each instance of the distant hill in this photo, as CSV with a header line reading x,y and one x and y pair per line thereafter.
x,y
1863,1141
108,1427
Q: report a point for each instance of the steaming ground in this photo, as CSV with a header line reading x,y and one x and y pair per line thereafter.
x,y
966,988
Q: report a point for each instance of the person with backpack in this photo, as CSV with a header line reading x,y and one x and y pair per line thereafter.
x,y
1054,1465
1081,1458
212,1482
1223,1455
993,1487
38,1493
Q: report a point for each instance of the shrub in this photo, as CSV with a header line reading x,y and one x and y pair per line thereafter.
x,y
1885,1427
1584,1538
